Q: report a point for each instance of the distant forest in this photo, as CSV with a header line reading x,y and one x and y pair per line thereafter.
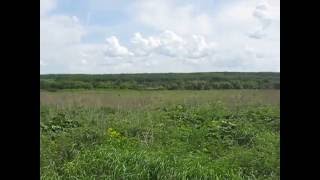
x,y
162,81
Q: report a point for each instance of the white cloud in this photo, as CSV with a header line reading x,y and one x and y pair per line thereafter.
x,y
114,49
84,61
170,44
199,47
46,6
166,14
60,30
42,63
60,40
174,36
266,15
144,46
229,27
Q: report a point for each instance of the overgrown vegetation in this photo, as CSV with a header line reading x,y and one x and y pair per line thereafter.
x,y
167,81
210,140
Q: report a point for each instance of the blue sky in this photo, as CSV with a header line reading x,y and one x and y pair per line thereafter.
x,y
134,36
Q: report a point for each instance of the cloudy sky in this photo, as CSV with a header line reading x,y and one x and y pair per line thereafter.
x,y
135,36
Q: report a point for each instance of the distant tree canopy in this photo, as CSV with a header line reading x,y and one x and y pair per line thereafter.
x,y
163,81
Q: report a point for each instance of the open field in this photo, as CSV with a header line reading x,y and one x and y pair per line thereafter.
x,y
144,99
125,134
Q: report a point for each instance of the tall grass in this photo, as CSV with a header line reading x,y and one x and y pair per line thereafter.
x,y
207,140
129,99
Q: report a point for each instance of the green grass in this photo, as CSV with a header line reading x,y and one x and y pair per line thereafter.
x,y
132,99
216,137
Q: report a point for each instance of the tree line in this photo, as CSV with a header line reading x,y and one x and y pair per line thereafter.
x,y
162,81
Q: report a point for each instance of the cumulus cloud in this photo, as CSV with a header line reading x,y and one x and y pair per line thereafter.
x,y
114,49
173,36
263,13
171,44
167,43
144,46
199,47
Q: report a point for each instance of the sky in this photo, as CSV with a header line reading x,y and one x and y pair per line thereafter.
x,y
158,36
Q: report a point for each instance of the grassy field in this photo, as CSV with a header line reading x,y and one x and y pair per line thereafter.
x,y
126,134
143,99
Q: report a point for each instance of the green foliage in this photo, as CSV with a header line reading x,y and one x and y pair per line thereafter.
x,y
59,123
177,141
169,81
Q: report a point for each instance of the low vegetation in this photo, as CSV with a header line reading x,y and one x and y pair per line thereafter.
x,y
215,138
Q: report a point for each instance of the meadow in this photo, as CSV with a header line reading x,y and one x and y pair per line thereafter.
x,y
149,134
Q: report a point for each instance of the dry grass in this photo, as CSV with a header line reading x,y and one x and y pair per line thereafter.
x,y
145,99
